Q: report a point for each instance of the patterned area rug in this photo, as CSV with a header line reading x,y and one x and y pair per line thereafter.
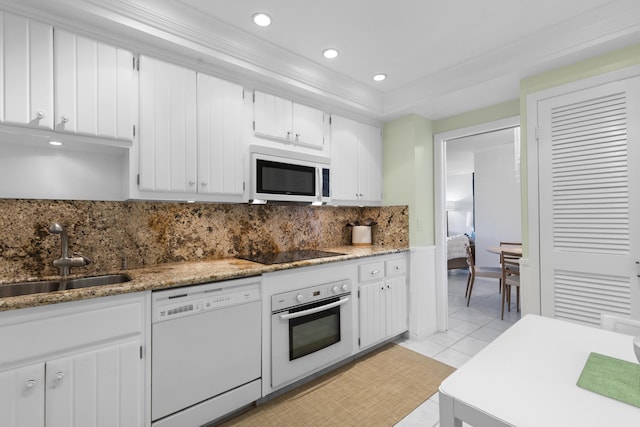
x,y
378,389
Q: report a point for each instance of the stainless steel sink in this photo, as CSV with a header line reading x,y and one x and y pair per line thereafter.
x,y
85,282
28,288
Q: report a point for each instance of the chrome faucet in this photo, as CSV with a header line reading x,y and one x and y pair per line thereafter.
x,y
65,262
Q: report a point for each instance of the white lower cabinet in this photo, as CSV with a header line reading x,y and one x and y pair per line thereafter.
x,y
383,300
74,366
22,396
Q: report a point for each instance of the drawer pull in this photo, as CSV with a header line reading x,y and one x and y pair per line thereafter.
x,y
374,272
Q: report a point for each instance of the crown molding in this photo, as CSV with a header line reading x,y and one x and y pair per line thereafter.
x,y
170,31
606,28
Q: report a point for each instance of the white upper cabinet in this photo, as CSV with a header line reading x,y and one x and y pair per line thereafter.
x,y
356,162
288,122
221,140
54,79
167,140
192,134
94,87
26,68
344,155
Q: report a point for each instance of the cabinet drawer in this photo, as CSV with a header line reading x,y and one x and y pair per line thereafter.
x,y
367,272
41,331
395,267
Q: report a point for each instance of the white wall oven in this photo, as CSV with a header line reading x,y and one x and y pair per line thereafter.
x,y
311,328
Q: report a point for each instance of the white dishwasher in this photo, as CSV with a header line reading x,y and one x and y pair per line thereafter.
x,y
205,351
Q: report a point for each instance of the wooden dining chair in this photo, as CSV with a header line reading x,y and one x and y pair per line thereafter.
x,y
474,271
511,256
510,272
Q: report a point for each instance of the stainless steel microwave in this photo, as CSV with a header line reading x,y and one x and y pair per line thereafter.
x,y
283,176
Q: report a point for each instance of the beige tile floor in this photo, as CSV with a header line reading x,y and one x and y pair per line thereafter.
x,y
470,330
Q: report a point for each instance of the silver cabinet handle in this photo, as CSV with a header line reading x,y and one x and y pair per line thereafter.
x,y
65,119
41,114
57,379
204,184
374,272
30,384
192,183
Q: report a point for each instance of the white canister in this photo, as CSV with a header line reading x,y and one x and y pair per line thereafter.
x,y
361,235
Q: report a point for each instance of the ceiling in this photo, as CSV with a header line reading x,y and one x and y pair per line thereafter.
x,y
460,152
442,57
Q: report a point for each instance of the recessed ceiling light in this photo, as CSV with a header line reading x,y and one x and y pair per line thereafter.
x,y
262,19
379,77
330,53
54,143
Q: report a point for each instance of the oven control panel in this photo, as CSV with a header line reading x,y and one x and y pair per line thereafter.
x,y
310,295
176,303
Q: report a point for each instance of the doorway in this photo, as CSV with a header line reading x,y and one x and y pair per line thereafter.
x,y
466,136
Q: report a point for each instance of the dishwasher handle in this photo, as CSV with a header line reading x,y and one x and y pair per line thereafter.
x,y
288,316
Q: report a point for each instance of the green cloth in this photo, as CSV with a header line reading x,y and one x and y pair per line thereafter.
x,y
612,377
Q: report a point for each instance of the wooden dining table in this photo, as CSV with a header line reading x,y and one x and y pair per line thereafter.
x,y
515,250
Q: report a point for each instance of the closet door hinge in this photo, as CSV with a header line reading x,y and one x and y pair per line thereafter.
x,y
537,132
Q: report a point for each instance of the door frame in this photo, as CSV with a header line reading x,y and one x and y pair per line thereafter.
x,y
531,294
440,170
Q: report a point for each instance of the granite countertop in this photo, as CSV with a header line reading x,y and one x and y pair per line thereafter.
x,y
163,276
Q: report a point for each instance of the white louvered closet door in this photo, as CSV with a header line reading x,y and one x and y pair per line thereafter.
x,y
589,188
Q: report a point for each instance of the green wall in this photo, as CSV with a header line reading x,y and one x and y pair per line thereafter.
x,y
408,174
475,117
408,142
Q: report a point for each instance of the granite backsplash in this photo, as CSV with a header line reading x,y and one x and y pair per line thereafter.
x,y
149,233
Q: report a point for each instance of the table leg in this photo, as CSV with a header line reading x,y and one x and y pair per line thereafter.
x,y
447,414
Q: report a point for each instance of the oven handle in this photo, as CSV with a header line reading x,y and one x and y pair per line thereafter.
x,y
313,310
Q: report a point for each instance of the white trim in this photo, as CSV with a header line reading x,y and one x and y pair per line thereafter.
x,y
533,280
422,292
439,163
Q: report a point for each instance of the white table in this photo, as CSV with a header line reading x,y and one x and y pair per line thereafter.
x,y
528,375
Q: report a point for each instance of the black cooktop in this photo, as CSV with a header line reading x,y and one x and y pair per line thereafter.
x,y
287,256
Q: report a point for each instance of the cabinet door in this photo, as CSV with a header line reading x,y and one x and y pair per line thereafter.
x,y
26,80
369,163
396,305
96,388
372,313
22,397
221,141
272,116
344,155
94,86
308,126
167,140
